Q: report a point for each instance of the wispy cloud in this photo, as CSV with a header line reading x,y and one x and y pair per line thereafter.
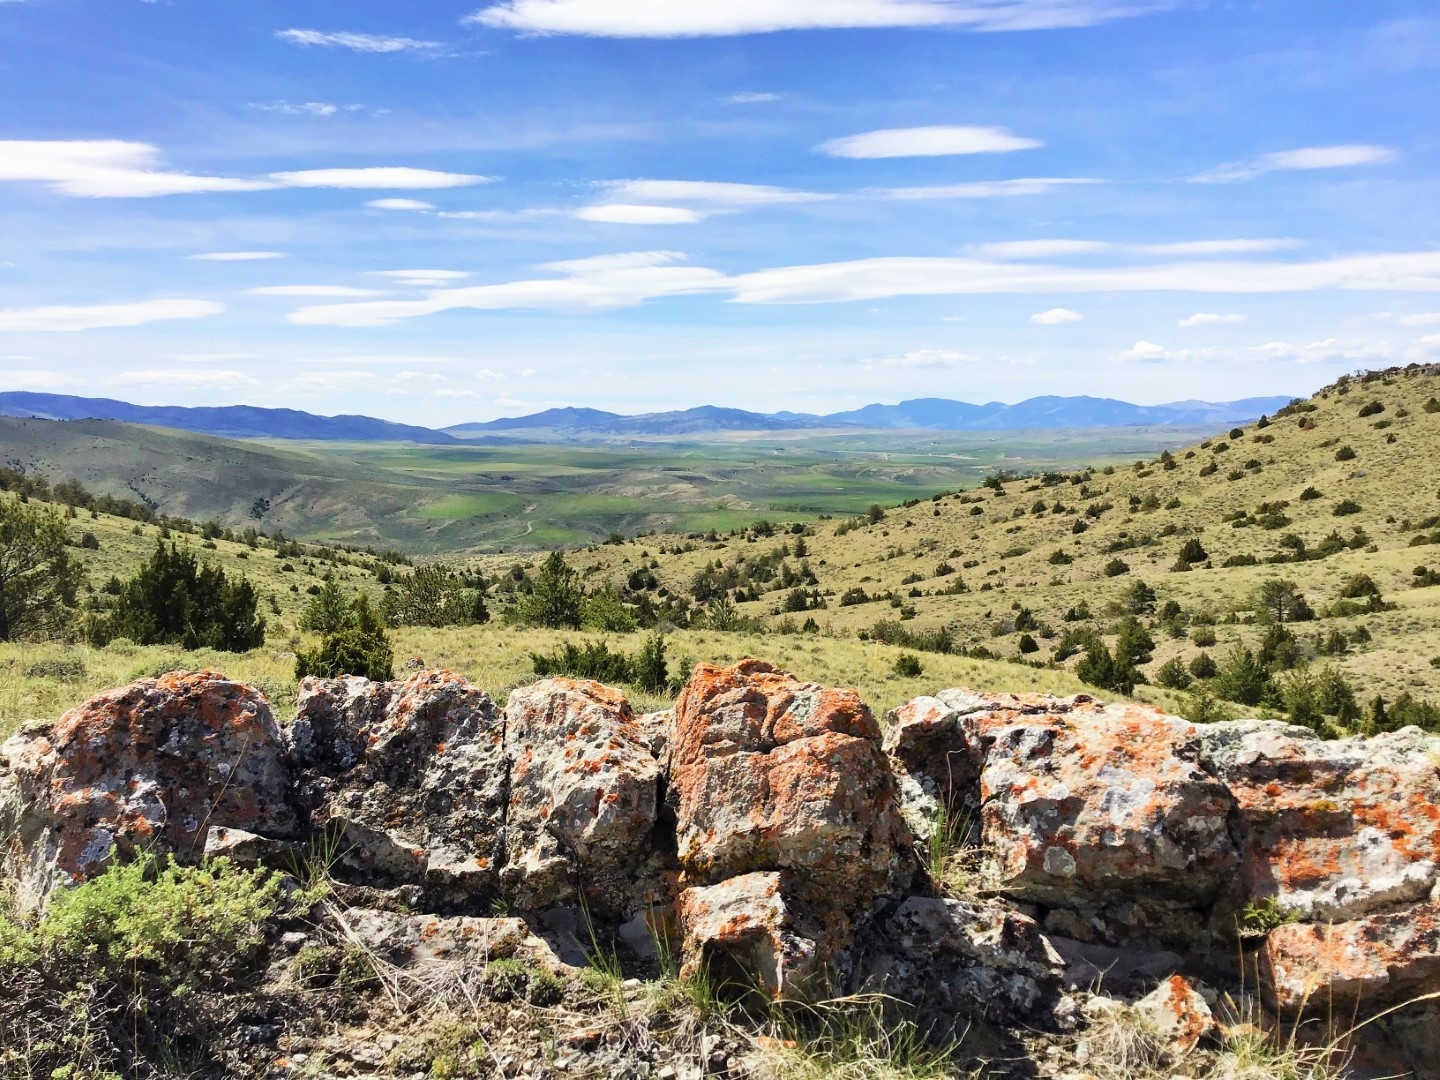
x,y
925,358
720,18
237,256
935,141
1426,318
1209,318
335,291
1057,316
364,43
633,214
108,168
751,97
1304,159
631,279
37,380
983,189
1325,351
707,192
321,109
104,316
185,379
400,204
423,277
377,178
1038,249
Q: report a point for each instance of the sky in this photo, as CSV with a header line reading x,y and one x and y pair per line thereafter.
x,y
447,212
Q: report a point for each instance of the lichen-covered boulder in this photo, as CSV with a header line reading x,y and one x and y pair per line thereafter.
x,y
1178,1013
1332,829
958,958
1342,838
773,774
584,793
1091,799
407,779
150,767
743,934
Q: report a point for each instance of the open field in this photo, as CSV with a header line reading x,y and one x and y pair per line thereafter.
x,y
519,497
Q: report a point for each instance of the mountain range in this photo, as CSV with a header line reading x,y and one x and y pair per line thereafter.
x,y
925,414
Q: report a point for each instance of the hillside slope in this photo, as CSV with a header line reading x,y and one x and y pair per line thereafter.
x,y
1347,483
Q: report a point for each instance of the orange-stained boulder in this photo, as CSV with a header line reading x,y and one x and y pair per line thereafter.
x,y
1332,829
1090,801
584,790
149,767
1363,963
774,774
742,933
1178,1013
409,779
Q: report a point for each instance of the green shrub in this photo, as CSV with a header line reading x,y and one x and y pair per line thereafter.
x,y
1109,672
908,666
1203,666
1243,678
648,669
434,596
355,651
555,599
1345,453
1310,494
1116,567
1028,645
1433,405
1346,507
1373,408
1204,636
1192,551
124,973
1172,675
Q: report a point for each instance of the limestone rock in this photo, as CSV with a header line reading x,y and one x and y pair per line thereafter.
x,y
584,791
1178,1013
1090,801
962,958
148,767
1332,830
414,942
774,774
408,778
1370,962
742,932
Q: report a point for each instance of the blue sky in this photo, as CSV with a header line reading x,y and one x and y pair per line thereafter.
x,y
480,209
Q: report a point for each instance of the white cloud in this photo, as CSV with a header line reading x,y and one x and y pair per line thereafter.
x,y
1038,249
367,43
1144,350
596,283
984,189
238,256
1428,318
330,381
927,358
1304,159
1218,247
376,178
400,204
184,379
102,316
1058,316
37,380
450,392
707,191
336,291
751,97
718,18
936,141
1207,318
423,277
107,168
632,214
632,278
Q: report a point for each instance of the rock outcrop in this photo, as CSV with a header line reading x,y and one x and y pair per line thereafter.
x,y
149,767
766,823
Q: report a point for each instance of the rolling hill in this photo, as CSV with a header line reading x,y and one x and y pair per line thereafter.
x,y
1342,485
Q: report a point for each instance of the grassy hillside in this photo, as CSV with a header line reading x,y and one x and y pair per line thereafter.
x,y
1332,473
437,499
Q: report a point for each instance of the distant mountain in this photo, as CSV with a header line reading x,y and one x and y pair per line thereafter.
x,y
923,414
226,421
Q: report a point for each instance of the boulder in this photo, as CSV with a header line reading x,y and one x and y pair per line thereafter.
x,y
1332,829
1178,1013
427,944
408,780
742,933
773,774
150,767
1090,802
958,958
584,792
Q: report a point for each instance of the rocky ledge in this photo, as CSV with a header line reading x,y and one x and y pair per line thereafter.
x,y
775,833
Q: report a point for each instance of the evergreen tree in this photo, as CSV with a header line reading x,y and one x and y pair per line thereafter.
x,y
37,578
